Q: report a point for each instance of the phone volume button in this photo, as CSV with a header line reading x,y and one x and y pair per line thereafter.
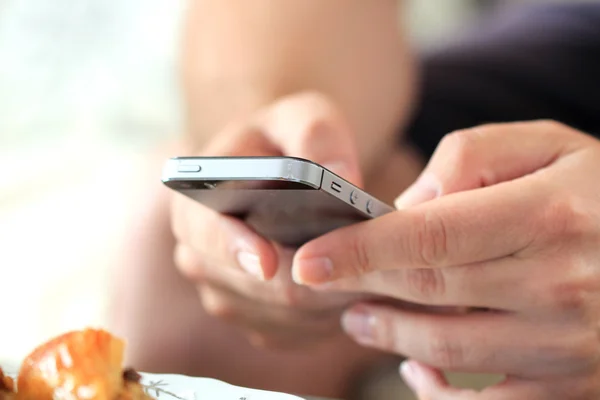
x,y
336,187
353,197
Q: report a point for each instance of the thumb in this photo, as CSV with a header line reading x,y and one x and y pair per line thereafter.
x,y
427,383
309,126
430,384
487,155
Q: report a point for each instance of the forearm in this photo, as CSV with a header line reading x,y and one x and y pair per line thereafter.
x,y
239,56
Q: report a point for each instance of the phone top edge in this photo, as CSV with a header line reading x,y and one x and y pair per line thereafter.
x,y
199,158
243,168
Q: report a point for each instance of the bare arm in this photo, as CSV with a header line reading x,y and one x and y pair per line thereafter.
x,y
238,56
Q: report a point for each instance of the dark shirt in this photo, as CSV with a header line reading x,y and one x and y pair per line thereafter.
x,y
541,62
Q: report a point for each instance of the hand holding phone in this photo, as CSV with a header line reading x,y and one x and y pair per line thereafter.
x,y
287,200
242,276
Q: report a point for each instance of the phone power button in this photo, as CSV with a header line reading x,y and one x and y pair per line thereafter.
x,y
188,168
370,206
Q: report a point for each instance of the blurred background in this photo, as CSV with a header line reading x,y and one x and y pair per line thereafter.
x,y
87,88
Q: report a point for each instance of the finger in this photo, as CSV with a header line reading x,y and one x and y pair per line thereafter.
x,y
477,342
430,384
241,138
259,318
305,126
218,239
480,285
460,229
487,155
505,284
280,291
210,236
310,127
284,291
422,379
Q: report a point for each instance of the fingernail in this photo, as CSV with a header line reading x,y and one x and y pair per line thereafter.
x,y
312,271
360,324
426,188
411,375
250,263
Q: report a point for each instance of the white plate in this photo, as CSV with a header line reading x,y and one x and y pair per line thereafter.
x,y
180,387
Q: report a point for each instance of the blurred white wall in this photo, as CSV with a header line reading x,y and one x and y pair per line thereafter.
x,y
86,87
87,68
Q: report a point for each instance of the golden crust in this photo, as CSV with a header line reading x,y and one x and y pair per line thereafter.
x,y
84,365
6,387
7,383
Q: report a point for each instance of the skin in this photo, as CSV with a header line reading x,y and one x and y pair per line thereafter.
x,y
183,331
503,223
240,57
528,207
275,78
269,78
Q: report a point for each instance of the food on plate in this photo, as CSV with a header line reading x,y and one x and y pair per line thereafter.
x,y
77,365
6,387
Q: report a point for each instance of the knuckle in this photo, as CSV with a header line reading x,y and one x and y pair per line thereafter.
x,y
425,283
363,262
550,125
216,304
430,244
319,104
462,156
443,352
187,263
288,294
314,97
316,130
387,336
180,257
572,290
292,295
315,116
461,146
564,217
568,296
261,340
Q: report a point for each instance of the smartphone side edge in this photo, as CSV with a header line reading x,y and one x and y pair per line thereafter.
x,y
244,168
365,203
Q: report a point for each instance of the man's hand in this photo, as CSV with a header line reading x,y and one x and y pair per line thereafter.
x,y
241,276
504,222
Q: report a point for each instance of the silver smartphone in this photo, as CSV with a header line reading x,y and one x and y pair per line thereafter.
x,y
285,199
